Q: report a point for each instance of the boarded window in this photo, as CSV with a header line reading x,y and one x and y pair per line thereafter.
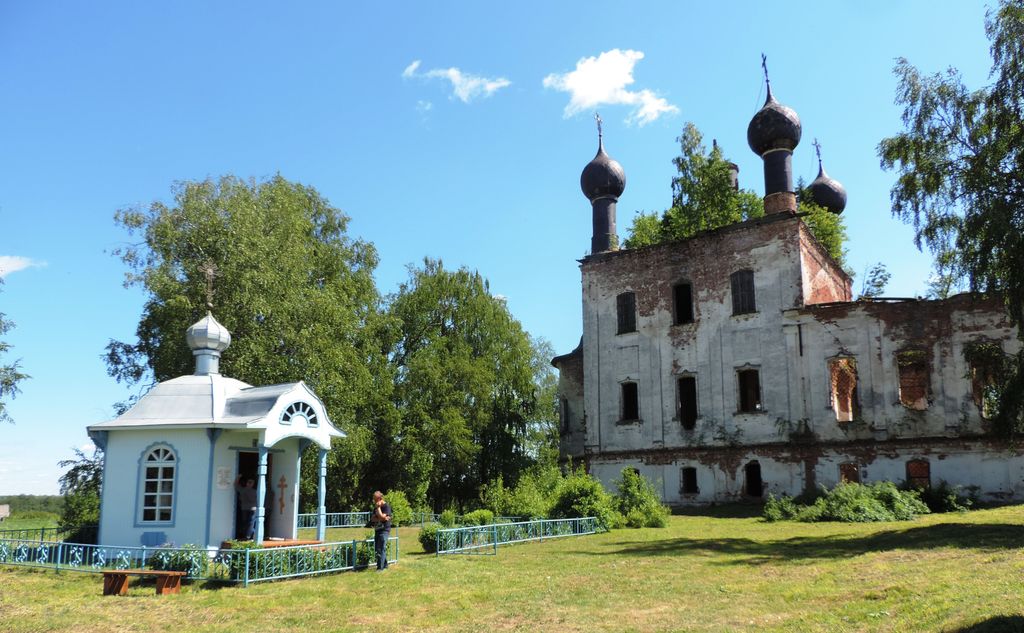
x,y
843,383
750,390
849,473
754,485
630,401
626,306
682,301
689,481
688,402
742,282
919,473
913,373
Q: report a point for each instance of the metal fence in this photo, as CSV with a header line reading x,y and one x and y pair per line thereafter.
x,y
50,534
225,565
486,538
334,520
360,519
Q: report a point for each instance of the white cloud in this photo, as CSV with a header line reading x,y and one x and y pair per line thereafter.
x,y
424,106
603,80
13,263
465,86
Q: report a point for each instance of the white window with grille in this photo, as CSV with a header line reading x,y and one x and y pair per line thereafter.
x,y
159,468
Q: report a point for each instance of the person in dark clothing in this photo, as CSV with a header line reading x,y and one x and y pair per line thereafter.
x,y
380,517
247,501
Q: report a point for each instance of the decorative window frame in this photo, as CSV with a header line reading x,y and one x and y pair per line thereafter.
x,y
300,407
140,483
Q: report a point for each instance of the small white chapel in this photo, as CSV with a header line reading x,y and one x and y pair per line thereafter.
x,y
172,460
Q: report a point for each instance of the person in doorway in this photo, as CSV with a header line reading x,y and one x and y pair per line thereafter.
x,y
380,517
247,501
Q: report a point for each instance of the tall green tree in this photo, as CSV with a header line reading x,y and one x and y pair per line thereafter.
x,y
296,292
80,485
960,176
10,373
465,383
704,198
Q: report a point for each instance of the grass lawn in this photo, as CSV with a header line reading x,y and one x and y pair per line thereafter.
x,y
955,572
33,521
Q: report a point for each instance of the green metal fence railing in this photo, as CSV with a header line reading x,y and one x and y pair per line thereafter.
x,y
487,538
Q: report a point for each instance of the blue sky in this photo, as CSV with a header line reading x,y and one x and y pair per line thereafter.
x,y
451,130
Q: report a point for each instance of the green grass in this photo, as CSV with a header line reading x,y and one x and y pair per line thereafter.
x,y
29,521
954,572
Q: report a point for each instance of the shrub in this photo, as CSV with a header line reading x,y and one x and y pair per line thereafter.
x,y
401,510
781,509
946,498
188,558
851,503
581,495
447,518
365,554
428,537
638,501
478,517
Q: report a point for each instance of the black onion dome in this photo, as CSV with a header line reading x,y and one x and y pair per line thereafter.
x,y
775,126
827,192
603,176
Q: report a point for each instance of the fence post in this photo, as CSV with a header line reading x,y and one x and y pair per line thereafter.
x,y
355,556
437,543
60,548
245,581
42,534
495,529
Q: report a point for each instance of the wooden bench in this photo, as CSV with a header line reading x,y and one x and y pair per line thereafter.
x,y
115,581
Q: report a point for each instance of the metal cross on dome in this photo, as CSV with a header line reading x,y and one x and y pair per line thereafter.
x,y
597,117
764,65
210,270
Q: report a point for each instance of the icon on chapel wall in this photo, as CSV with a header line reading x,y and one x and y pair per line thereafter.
x,y
223,477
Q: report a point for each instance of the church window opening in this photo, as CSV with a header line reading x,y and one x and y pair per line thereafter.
x,y
919,473
754,484
742,282
688,402
843,383
630,402
626,306
987,363
299,411
688,485
563,414
849,473
750,390
682,300
158,474
913,375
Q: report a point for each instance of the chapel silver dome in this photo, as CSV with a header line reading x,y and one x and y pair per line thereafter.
x,y
208,334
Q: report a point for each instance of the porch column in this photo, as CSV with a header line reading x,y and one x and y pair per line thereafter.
x,y
303,445
261,494
321,522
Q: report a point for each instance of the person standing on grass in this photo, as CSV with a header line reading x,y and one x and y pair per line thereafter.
x,y
380,517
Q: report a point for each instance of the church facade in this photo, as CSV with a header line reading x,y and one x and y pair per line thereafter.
x,y
735,363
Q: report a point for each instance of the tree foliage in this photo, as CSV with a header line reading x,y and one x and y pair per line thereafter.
x,y
81,485
704,198
874,282
10,373
960,174
465,386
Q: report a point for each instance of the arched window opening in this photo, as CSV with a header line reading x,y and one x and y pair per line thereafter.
x,y
754,485
159,467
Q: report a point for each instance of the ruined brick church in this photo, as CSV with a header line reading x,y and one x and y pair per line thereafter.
x,y
736,363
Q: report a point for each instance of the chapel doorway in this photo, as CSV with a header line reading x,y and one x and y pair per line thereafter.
x,y
248,468
754,484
